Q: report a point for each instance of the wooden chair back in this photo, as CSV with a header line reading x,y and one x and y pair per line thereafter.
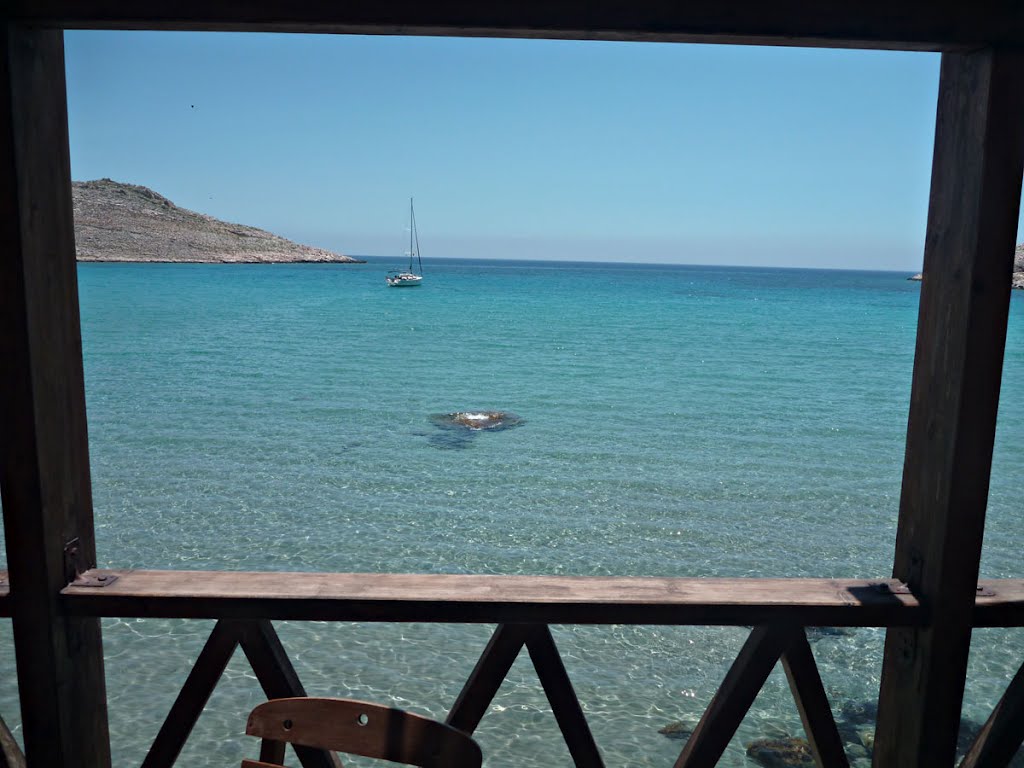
x,y
358,728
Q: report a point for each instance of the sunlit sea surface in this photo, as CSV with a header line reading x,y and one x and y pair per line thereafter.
x,y
676,421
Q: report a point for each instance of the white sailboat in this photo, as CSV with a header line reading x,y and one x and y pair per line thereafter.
x,y
409,278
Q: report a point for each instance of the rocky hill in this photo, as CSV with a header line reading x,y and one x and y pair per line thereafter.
x,y
125,222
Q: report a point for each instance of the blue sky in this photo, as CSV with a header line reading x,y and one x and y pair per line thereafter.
x,y
528,149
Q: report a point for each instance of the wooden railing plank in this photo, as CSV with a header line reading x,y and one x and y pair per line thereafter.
x,y
486,678
564,703
188,706
496,599
734,697
812,702
1003,732
999,604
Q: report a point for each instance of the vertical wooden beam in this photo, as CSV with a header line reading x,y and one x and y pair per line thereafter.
x,y
44,452
972,224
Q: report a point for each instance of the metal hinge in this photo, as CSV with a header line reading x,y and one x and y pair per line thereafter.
x,y
93,578
76,577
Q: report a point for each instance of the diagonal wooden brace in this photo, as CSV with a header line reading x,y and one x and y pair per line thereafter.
x,y
811,701
495,662
273,669
744,680
564,703
486,678
1003,732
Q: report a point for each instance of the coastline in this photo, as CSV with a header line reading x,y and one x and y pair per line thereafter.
x,y
90,259
128,223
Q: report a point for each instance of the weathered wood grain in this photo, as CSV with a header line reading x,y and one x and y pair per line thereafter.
x,y
496,599
909,24
155,593
965,293
44,451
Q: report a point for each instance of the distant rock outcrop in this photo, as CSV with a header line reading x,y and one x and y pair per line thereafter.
x,y
1018,269
125,222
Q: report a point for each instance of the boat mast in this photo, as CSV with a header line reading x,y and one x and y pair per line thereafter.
x,y
414,233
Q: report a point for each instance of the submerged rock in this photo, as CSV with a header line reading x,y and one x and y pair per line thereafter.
x,y
789,752
859,712
458,430
477,420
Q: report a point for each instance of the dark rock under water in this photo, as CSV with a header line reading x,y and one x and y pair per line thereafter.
x,y
790,752
458,430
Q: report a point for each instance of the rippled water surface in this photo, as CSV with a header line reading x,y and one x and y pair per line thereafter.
x,y
671,421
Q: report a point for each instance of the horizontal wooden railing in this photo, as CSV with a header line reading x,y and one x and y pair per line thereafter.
x,y
494,599
467,598
523,607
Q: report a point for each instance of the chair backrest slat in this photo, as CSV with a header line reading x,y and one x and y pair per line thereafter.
x,y
362,728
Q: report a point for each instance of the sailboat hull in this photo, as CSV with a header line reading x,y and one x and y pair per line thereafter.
x,y
405,280
408,278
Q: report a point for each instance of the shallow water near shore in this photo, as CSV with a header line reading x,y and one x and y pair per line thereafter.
x,y
672,421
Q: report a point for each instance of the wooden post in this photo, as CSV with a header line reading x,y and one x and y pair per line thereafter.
x,y
44,459
972,224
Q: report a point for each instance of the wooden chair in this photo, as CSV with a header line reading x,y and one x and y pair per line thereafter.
x,y
357,728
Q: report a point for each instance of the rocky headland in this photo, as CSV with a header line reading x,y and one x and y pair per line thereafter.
x,y
1018,269
126,222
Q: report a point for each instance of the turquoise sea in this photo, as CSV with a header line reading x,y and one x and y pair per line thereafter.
x,y
676,421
